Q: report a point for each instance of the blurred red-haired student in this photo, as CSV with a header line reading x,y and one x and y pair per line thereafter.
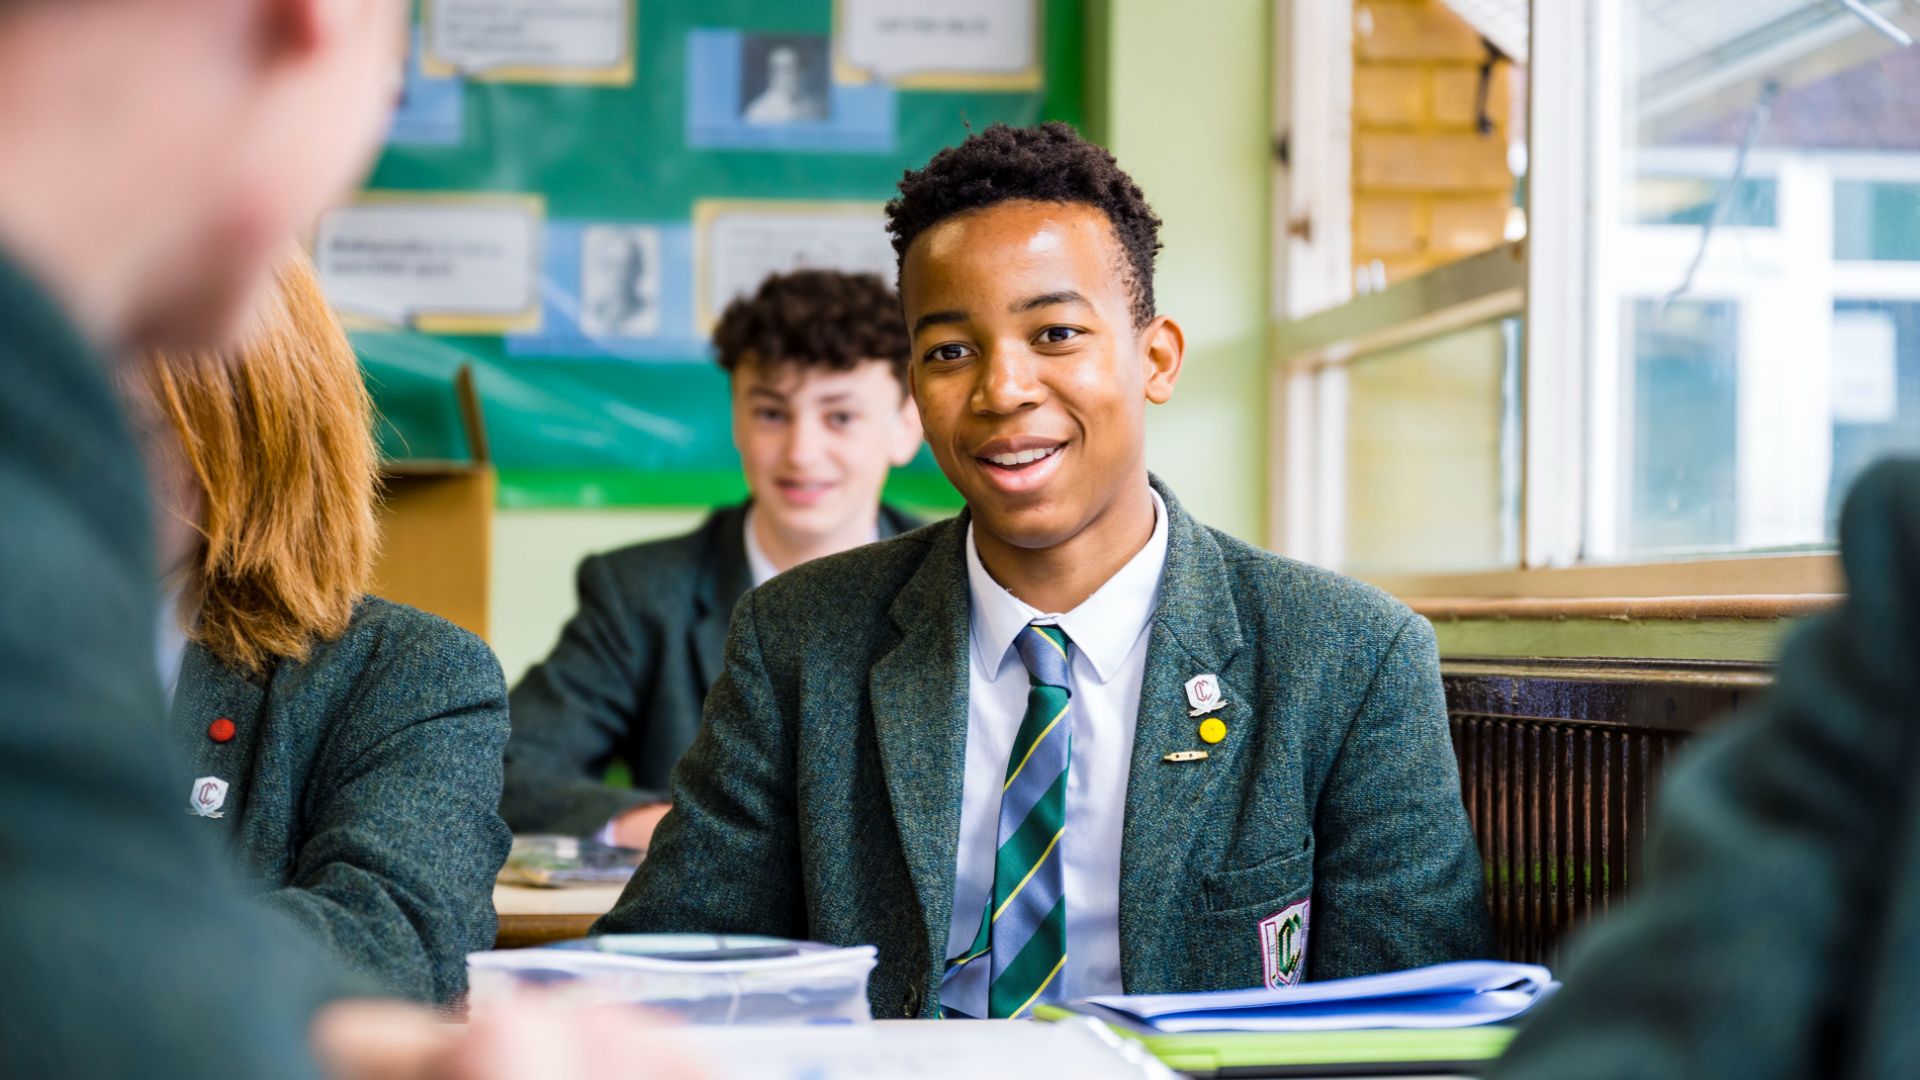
x,y
343,749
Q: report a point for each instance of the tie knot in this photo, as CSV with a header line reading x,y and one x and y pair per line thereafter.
x,y
1044,649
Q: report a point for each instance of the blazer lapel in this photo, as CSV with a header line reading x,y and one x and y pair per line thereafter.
x,y
725,579
1195,631
208,692
919,697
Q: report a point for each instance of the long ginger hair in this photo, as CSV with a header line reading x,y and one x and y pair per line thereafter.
x,y
278,433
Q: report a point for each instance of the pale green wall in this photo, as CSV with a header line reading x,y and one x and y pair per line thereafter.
x,y
534,556
1181,94
1183,102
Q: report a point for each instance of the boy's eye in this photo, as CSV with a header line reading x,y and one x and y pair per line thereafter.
x,y
1054,335
949,352
840,419
768,416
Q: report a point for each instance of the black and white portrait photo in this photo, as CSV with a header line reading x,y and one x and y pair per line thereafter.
x,y
620,281
784,78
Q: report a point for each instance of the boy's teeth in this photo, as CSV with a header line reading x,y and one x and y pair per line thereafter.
x,y
1023,457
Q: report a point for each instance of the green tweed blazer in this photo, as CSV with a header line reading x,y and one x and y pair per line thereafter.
x,y
129,947
627,679
1776,930
363,787
822,797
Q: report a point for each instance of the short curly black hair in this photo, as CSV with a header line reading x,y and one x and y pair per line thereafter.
x,y
1048,163
815,319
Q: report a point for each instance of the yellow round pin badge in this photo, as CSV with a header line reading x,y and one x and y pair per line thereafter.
x,y
1212,730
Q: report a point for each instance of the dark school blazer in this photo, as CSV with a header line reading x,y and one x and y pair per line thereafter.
x,y
363,790
1776,930
822,797
628,676
129,948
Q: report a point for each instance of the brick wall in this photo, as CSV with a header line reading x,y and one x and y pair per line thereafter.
x,y
1428,186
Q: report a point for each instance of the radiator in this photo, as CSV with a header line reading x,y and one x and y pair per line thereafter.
x,y
1560,762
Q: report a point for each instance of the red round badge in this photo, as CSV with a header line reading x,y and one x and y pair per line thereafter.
x,y
220,730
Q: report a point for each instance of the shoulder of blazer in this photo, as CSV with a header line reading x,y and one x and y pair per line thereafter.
x,y
665,575
894,521
393,641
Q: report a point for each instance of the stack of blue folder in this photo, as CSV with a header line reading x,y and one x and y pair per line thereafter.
x,y
1450,1018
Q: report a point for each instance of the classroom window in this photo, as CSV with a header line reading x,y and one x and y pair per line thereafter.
x,y
1732,137
1714,313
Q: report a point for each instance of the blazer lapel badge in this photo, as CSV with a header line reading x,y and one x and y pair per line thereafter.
x,y
208,796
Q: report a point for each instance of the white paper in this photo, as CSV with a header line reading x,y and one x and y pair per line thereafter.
x,y
894,38
743,247
477,35
400,261
1866,383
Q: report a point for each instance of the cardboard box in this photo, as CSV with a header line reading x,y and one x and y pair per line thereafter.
x,y
436,527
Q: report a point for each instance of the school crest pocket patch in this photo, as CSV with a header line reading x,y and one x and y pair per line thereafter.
x,y
1283,944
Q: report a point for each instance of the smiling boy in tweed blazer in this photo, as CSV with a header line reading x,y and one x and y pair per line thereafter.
x,y
1072,741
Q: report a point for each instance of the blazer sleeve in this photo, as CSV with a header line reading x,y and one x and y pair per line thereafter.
x,y
394,870
1397,876
1755,942
726,858
572,712
130,947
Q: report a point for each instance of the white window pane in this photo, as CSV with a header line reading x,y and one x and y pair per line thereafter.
x,y
1764,160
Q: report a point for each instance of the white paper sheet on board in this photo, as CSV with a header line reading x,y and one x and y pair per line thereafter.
x,y
741,246
905,38
414,261
476,37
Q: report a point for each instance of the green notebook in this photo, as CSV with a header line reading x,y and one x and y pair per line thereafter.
x,y
1372,1052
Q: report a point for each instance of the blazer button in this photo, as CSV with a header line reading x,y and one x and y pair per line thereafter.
x,y
910,1008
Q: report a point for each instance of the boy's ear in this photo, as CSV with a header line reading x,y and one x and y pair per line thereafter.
x,y
1165,351
908,434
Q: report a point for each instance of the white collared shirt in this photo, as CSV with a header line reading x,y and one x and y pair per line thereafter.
x,y
1109,635
170,642
759,567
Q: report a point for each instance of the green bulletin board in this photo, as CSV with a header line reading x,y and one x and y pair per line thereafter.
x,y
586,403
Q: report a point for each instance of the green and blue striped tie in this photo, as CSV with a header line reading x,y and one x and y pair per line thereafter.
x,y
1022,946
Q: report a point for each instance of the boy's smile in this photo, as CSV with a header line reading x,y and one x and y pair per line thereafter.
x,y
1019,463
1031,377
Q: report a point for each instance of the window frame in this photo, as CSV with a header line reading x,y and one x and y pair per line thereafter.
x,y
1549,281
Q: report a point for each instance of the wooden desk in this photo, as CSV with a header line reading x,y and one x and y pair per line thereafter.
x,y
530,916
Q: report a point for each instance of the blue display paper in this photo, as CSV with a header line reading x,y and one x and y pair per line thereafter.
x,y
432,109
860,119
561,334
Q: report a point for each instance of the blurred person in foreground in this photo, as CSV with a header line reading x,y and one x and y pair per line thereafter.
x,y
1777,929
158,155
